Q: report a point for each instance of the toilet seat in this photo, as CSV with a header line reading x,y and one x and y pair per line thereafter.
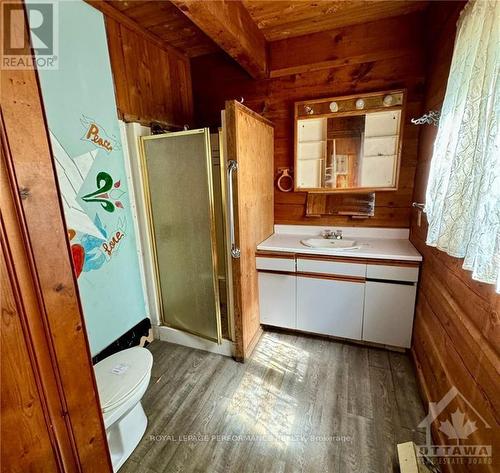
x,y
121,375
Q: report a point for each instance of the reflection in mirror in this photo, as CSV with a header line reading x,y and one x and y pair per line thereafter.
x,y
343,151
350,150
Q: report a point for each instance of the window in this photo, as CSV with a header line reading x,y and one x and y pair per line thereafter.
x,y
463,193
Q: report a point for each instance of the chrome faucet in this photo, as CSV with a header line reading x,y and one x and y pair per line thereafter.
x,y
329,235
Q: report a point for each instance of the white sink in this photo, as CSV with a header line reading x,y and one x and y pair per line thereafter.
x,y
333,244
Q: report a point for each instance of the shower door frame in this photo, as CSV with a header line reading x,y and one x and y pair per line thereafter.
x,y
225,230
151,230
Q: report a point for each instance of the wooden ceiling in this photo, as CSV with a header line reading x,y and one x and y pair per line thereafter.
x,y
279,19
168,23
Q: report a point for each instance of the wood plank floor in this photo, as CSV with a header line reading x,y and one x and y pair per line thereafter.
x,y
301,404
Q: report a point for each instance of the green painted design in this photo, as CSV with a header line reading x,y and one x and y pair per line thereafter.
x,y
104,184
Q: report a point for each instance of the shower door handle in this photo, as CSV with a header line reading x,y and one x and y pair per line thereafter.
x,y
232,167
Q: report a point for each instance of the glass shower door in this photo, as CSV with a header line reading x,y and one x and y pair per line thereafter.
x,y
177,172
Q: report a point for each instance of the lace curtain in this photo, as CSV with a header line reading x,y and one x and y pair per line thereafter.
x,y
463,193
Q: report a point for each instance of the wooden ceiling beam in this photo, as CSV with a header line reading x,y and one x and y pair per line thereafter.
x,y
290,18
339,47
231,27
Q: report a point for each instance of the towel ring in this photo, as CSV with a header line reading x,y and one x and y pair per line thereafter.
x,y
281,184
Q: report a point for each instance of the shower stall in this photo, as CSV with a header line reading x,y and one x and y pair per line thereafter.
x,y
178,174
205,215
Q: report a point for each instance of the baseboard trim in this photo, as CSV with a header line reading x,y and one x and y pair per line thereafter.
x,y
253,342
172,335
131,338
350,341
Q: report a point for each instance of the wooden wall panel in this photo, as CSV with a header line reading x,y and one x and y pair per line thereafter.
x,y
151,83
250,143
291,18
343,46
456,336
216,78
36,236
166,22
27,441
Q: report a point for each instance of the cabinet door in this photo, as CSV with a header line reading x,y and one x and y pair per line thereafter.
x,y
388,316
330,307
277,299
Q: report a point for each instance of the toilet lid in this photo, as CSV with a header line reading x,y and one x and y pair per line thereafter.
x,y
118,375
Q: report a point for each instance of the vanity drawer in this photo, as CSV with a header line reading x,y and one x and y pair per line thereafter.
x,y
306,265
392,273
276,264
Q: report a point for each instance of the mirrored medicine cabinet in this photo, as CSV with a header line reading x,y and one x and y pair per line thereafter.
x,y
350,143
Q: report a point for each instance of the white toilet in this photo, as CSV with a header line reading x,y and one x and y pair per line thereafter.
x,y
122,380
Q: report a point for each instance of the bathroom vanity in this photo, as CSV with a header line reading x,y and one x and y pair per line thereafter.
x,y
365,293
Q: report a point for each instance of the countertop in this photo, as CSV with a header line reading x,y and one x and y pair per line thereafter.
x,y
374,243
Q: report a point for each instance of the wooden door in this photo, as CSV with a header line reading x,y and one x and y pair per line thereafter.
x,y
50,414
250,144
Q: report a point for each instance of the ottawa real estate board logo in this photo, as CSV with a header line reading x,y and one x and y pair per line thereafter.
x,y
458,426
38,47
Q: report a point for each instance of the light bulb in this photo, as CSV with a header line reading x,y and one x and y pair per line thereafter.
x,y
360,104
388,100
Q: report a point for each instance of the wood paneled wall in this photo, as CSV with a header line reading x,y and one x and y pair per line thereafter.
x,y
24,428
151,83
250,141
51,417
217,78
456,335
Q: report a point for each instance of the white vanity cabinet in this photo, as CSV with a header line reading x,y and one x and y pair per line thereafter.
x,y
330,297
362,299
330,306
277,291
390,293
277,299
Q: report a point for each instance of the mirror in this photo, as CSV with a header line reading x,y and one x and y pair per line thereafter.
x,y
349,144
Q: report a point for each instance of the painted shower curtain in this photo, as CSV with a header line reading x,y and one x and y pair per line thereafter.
x,y
81,113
